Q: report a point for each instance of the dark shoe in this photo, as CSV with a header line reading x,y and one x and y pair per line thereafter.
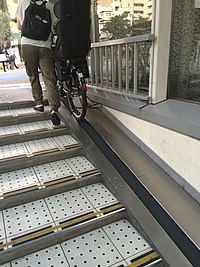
x,y
39,108
54,118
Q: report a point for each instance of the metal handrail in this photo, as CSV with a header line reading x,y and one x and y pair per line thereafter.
x,y
122,65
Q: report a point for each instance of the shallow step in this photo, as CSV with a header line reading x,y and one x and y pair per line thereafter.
x,y
24,226
31,183
20,115
115,244
37,147
16,133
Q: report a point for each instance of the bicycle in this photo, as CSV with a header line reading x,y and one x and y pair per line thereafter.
x,y
71,83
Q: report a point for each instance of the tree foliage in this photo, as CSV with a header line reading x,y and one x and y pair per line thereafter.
x,y
141,26
4,27
118,27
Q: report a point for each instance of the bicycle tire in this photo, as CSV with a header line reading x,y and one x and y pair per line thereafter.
x,y
77,96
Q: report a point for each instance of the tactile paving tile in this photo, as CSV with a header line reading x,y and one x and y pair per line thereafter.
x,y
11,181
126,239
9,130
49,257
26,218
69,204
41,145
12,150
65,141
6,265
2,230
99,195
91,249
53,170
33,126
6,113
80,164
51,126
24,111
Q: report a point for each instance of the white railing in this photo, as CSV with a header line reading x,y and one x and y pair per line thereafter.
x,y
122,65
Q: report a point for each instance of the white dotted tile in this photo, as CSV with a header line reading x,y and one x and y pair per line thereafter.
x,y
11,181
53,171
69,204
91,249
49,257
126,239
26,218
99,195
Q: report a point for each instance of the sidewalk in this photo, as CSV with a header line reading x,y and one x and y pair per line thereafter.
x,y
14,77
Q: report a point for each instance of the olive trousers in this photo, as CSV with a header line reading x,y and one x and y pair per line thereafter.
x,y
36,58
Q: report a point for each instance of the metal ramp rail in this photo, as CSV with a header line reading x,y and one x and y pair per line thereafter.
x,y
55,209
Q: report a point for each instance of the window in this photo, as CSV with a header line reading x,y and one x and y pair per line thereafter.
x,y
139,4
138,12
184,62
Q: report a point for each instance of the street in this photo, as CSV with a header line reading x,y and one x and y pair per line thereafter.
x,y
16,77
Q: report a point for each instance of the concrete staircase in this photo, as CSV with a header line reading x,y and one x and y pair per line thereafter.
x,y
55,209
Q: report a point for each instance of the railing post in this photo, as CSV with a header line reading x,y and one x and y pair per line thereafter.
x,y
107,67
119,67
135,68
127,68
113,67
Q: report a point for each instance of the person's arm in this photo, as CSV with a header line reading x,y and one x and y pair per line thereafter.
x,y
19,26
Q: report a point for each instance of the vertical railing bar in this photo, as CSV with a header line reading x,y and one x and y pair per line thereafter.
x,y
91,66
135,68
113,67
96,66
107,67
101,65
119,67
127,68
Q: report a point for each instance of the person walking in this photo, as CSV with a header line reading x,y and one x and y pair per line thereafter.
x,y
3,59
12,57
37,54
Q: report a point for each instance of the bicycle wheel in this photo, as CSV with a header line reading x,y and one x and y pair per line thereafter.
x,y
77,96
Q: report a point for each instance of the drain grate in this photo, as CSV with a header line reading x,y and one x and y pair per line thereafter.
x,y
9,95
52,171
9,130
65,141
33,126
15,180
99,195
2,231
26,218
126,239
80,164
41,145
91,249
68,204
50,257
12,150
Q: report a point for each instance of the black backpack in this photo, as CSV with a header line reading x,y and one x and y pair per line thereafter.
x,y
37,21
73,28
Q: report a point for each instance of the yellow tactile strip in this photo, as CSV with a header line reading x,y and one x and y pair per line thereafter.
x,y
49,230
50,183
145,259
